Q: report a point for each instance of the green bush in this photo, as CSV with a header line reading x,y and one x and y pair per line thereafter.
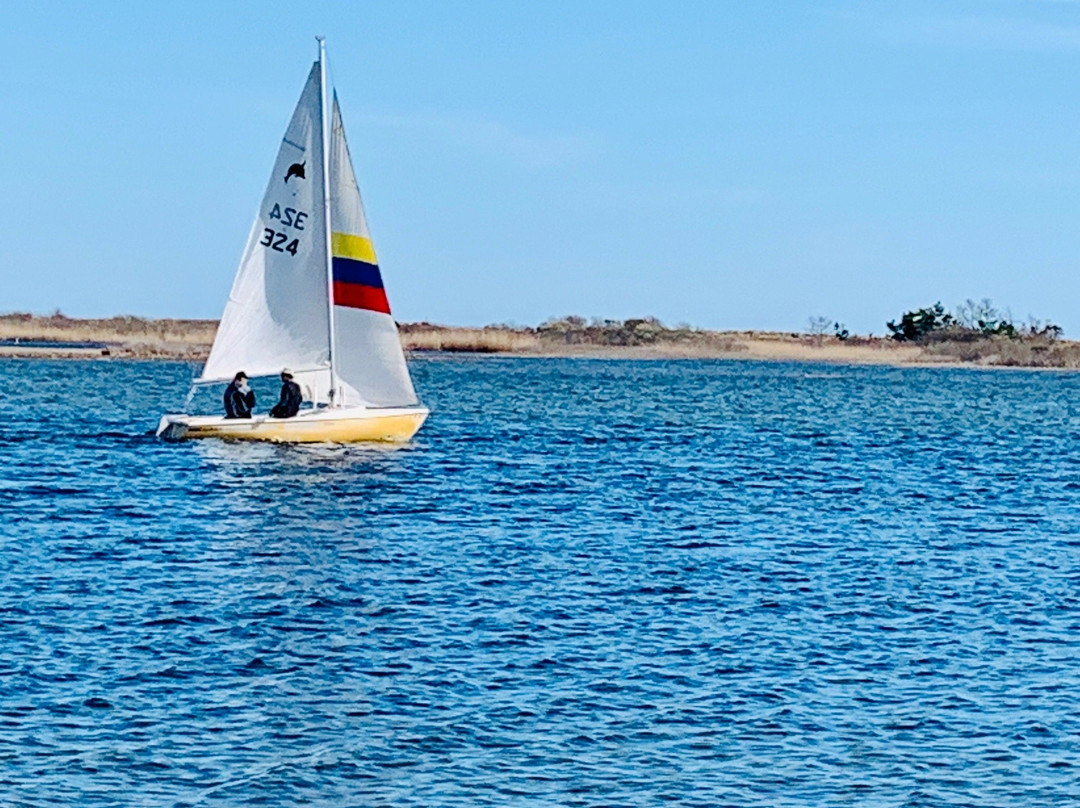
x,y
971,321
920,323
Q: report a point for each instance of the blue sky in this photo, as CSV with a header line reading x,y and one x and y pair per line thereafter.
x,y
726,164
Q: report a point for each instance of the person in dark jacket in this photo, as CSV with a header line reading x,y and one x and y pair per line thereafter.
x,y
239,398
291,397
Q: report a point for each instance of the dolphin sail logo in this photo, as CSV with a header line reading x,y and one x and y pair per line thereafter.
x,y
296,170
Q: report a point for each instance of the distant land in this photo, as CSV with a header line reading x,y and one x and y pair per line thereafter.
x,y
60,337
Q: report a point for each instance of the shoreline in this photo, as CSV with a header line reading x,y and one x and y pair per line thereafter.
x,y
24,336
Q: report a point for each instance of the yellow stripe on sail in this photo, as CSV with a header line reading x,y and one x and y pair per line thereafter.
x,y
358,248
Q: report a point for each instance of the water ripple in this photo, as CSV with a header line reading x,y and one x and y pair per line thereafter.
x,y
587,583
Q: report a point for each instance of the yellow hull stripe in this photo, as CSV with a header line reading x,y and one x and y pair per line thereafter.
x,y
358,248
385,428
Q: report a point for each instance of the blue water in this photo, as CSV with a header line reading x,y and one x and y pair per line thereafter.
x,y
587,583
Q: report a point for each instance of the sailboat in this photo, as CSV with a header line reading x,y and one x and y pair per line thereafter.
x,y
309,296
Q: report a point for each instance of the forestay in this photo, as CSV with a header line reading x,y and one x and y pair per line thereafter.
x,y
277,312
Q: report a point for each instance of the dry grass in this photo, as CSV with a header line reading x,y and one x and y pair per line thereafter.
x,y
572,337
804,348
568,336
491,339
1029,352
123,329
124,336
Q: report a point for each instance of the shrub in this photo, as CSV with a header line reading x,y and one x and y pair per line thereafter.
x,y
920,323
971,321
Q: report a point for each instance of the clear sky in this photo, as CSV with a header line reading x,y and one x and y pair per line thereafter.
x,y
727,164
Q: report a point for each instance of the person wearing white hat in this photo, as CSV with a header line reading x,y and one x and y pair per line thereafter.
x,y
289,403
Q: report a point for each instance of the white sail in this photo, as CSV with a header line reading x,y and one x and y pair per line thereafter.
x,y
308,295
368,360
277,314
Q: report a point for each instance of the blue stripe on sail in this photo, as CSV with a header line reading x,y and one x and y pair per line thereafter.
x,y
346,270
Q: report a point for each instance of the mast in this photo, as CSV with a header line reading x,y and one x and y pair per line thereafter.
x,y
326,217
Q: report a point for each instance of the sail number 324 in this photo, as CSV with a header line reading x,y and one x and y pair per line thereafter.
x,y
276,240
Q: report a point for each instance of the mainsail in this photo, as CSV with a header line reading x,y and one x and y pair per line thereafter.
x,y
278,313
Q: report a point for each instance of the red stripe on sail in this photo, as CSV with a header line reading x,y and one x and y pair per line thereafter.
x,y
360,296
